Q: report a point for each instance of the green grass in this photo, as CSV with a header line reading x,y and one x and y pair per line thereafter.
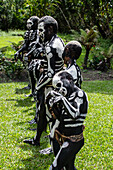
x,y
7,38
16,110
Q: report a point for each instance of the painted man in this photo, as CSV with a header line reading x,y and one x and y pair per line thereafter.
x,y
68,105
71,53
53,47
30,37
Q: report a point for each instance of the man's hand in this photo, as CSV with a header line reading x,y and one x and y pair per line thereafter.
x,y
53,97
35,95
16,55
52,94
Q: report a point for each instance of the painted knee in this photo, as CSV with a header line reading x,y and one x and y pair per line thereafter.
x,y
53,168
50,167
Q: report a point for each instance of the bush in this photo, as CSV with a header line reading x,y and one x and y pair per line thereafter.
x,y
101,58
11,67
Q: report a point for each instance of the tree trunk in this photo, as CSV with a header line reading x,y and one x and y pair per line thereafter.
x,y
109,62
101,30
86,58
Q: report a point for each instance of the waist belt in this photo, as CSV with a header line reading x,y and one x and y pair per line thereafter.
x,y
49,85
61,138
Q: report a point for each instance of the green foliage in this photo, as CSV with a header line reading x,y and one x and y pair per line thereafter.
x,y
16,46
16,110
88,38
10,67
110,52
69,14
101,57
7,62
12,41
97,56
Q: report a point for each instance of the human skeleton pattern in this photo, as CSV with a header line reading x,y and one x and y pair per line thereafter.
x,y
75,71
29,40
52,61
70,109
30,37
67,103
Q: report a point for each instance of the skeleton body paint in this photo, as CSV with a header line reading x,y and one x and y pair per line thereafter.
x,y
30,37
52,49
71,53
53,61
70,110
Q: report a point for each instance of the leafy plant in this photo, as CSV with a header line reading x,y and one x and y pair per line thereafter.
x,y
101,59
88,39
16,46
11,67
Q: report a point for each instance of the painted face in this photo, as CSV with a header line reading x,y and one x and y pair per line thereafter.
x,y
41,31
29,24
59,85
66,56
64,85
66,60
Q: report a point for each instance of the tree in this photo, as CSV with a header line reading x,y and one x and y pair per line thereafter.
x,y
10,13
99,13
70,14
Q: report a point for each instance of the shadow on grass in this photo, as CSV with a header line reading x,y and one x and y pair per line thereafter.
x,y
31,126
22,102
21,91
37,160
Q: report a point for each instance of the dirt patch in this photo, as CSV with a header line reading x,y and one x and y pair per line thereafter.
x,y
88,75
17,77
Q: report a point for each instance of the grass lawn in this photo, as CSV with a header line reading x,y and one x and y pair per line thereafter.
x,y
16,110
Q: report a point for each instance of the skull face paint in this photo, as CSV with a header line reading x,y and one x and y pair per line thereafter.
x,y
63,83
61,88
59,85
41,31
29,24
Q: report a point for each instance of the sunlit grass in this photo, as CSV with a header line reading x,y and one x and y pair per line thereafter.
x,y
16,110
7,38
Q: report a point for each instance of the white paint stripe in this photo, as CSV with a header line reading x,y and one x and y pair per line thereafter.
x,y
84,115
53,128
79,119
73,113
68,119
74,125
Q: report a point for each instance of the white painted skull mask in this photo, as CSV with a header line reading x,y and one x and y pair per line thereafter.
x,y
47,28
63,83
29,24
41,30
32,23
